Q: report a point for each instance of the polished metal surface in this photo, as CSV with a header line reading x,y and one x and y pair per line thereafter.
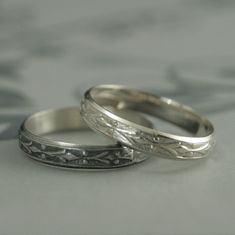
x,y
142,138
70,155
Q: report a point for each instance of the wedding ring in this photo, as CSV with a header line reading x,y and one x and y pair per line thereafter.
x,y
33,142
142,138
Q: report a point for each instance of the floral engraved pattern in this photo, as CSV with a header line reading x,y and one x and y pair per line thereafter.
x,y
99,157
142,141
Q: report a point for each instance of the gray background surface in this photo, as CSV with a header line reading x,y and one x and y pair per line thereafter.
x,y
52,50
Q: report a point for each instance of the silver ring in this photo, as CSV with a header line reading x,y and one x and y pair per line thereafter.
x,y
143,138
70,155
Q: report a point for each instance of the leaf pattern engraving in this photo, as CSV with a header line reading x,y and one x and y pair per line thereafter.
x,y
100,157
142,141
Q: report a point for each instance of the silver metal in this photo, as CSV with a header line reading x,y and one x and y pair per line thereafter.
x,y
143,138
70,155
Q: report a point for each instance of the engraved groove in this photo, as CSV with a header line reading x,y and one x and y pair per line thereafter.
x,y
140,140
77,157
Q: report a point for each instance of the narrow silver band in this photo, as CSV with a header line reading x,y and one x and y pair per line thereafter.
x,y
70,155
143,138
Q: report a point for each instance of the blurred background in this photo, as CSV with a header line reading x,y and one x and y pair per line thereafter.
x,y
51,51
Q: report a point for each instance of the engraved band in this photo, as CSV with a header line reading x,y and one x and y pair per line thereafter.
x,y
70,155
143,138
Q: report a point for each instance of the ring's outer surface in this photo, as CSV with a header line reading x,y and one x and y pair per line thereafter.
x,y
143,138
70,155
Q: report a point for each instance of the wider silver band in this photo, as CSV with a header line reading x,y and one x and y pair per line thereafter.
x,y
70,155
142,138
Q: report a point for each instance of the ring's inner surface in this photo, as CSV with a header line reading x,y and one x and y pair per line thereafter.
x,y
163,108
56,120
66,124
